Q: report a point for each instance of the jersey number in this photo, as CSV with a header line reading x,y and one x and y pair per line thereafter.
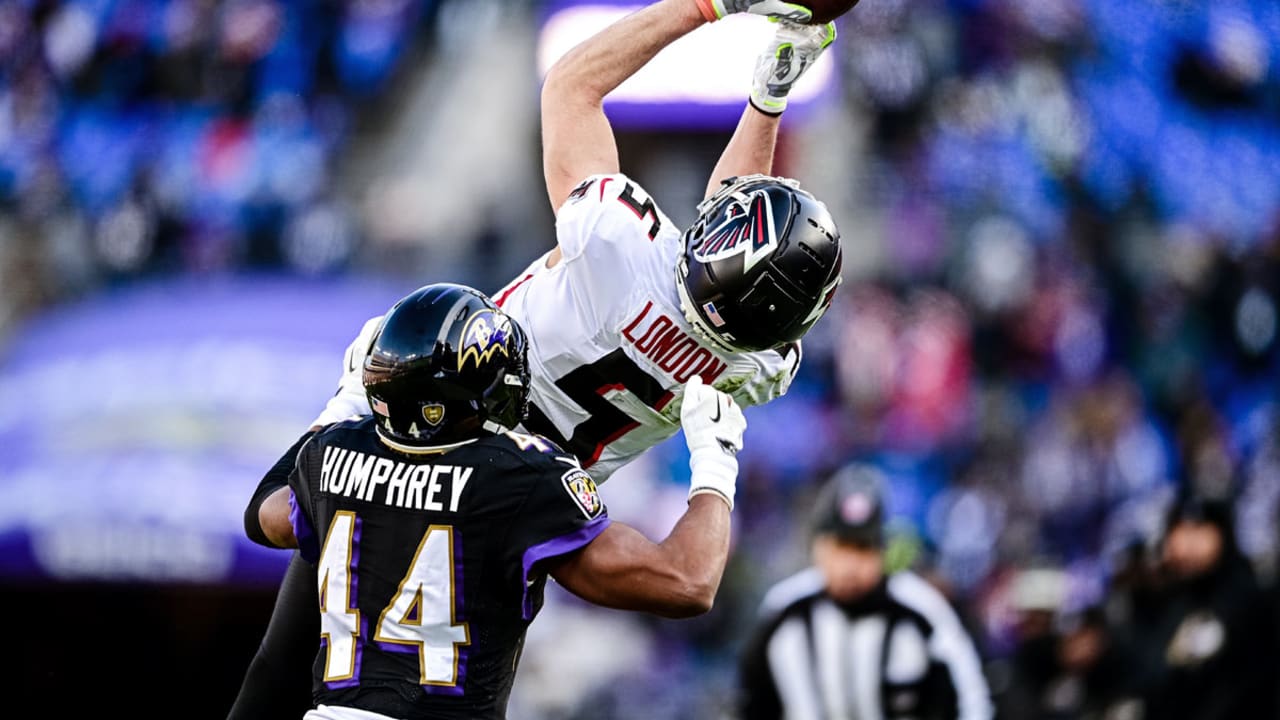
x,y
421,617
641,209
587,386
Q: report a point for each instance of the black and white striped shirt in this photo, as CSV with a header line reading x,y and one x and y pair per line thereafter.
x,y
900,652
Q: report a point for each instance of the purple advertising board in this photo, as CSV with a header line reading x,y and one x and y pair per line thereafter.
x,y
135,425
699,82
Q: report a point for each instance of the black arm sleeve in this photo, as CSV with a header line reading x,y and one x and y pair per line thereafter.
x,y
276,478
278,681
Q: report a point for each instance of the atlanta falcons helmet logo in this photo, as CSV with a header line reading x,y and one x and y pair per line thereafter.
x,y
748,230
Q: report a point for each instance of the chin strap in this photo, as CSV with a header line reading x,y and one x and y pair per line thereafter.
x,y
420,449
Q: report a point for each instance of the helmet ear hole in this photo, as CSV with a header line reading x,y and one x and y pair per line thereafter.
x,y
758,263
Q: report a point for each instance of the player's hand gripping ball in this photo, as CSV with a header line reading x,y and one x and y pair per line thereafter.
x,y
808,12
824,11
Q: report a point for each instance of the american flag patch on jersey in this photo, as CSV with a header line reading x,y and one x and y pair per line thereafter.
x,y
713,315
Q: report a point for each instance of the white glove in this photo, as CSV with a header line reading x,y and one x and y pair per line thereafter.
x,y
793,50
713,427
713,10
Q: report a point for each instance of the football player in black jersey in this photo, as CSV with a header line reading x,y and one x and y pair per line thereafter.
x,y
433,526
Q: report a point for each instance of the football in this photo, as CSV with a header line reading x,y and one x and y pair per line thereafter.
x,y
824,11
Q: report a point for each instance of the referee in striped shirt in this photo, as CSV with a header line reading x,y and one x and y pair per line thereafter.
x,y
844,641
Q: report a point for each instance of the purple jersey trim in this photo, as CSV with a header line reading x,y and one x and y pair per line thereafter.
x,y
303,531
354,680
558,546
460,615
353,572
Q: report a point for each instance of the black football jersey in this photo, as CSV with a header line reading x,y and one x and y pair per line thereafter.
x,y
428,564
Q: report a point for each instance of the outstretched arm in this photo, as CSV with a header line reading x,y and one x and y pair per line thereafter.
x,y
676,578
792,51
577,140
679,576
750,150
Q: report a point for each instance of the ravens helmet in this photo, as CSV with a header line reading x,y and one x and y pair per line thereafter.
x,y
761,264
446,365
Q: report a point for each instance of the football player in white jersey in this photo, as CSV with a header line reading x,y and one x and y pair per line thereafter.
x,y
627,307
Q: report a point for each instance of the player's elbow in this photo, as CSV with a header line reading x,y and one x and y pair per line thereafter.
x,y
555,89
559,81
691,598
252,527
697,605
279,532
566,91
271,525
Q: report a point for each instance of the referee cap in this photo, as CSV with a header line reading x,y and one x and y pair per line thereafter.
x,y
851,506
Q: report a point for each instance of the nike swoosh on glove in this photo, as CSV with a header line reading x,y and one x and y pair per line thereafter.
x,y
713,429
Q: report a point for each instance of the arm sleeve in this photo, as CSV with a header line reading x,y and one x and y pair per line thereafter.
x,y
276,478
278,682
562,513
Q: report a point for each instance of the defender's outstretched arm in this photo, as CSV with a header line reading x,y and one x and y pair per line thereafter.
x,y
679,576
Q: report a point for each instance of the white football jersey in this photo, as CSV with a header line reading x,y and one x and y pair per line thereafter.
x,y
609,348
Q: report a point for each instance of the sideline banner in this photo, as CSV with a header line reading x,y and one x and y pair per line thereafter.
x,y
135,425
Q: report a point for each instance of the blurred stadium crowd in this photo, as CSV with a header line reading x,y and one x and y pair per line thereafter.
x,y
1060,323
141,136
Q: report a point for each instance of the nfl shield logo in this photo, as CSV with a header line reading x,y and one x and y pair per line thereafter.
x,y
433,414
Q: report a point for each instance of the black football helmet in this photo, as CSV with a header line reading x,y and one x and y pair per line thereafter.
x,y
761,264
446,365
